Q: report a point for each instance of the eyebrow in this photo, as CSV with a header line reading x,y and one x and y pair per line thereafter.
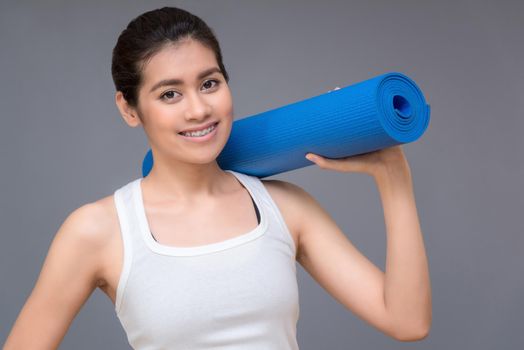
x,y
167,82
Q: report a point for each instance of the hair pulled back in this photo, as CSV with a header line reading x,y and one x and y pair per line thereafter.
x,y
147,34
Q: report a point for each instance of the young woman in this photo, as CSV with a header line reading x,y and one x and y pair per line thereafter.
x,y
197,257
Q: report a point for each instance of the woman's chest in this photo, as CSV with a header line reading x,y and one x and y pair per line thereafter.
x,y
194,226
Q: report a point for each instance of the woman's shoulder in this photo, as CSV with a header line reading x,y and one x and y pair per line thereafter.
x,y
286,192
94,222
291,197
292,201
86,238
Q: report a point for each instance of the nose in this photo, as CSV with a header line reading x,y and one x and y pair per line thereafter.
x,y
197,107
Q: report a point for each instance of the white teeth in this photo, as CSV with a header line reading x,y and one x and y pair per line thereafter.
x,y
200,133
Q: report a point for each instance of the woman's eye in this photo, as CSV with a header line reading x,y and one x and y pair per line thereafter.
x,y
209,81
168,95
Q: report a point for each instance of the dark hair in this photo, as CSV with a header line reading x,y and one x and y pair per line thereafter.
x,y
149,33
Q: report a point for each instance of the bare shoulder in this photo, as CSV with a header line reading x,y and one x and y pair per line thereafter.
x,y
285,191
93,226
91,221
292,200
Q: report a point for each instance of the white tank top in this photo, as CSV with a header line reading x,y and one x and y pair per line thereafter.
x,y
239,293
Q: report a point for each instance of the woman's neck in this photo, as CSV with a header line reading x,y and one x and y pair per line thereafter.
x,y
185,182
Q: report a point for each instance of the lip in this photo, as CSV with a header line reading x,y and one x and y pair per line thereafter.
x,y
201,139
199,128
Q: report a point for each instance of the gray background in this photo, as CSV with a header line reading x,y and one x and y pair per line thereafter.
x,y
64,144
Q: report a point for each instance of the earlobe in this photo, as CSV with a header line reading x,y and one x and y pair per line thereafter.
x,y
128,113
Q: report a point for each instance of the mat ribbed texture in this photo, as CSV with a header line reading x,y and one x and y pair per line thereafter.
x,y
384,111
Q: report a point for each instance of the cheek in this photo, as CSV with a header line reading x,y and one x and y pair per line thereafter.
x,y
225,103
161,117
162,113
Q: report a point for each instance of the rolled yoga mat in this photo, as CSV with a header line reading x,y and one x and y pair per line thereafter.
x,y
381,112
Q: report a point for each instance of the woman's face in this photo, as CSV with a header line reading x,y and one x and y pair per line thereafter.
x,y
183,89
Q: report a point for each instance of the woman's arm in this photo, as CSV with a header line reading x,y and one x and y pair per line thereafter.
x,y
397,302
68,277
407,291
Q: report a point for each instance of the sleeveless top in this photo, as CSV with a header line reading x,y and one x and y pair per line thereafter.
x,y
238,293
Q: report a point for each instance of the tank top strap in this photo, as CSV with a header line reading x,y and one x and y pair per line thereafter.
x,y
270,207
125,202
124,199
254,185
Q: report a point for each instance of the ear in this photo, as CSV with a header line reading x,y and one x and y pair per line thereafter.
x,y
129,114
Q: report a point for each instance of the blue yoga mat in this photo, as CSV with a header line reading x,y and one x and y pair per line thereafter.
x,y
381,112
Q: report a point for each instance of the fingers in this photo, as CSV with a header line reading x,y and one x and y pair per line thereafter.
x,y
319,160
357,163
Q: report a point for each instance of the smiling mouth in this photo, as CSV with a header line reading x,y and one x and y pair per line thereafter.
x,y
199,133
